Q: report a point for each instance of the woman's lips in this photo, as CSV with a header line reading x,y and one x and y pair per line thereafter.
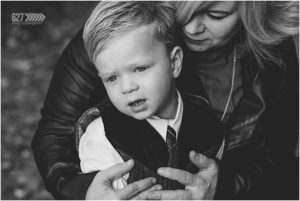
x,y
193,41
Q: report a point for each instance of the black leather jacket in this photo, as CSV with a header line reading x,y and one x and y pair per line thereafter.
x,y
259,159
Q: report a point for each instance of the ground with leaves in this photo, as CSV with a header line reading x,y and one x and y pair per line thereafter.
x,y
28,57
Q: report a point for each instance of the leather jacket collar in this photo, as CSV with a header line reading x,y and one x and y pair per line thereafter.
x,y
250,107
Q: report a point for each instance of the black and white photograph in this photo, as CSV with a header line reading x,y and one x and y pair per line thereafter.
x,y
150,100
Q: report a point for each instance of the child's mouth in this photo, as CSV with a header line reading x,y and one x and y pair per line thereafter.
x,y
137,102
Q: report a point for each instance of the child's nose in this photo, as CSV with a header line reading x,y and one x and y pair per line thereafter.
x,y
128,85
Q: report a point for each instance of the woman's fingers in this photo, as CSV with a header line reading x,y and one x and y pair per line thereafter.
x,y
116,171
134,188
201,161
144,195
181,176
169,195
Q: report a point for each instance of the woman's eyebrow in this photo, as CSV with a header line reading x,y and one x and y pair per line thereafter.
x,y
220,11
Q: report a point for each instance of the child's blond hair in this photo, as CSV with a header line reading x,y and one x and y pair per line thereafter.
x,y
111,18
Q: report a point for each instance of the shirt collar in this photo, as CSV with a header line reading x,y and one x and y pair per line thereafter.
x,y
161,125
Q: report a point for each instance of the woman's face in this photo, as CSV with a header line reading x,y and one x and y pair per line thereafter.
x,y
212,27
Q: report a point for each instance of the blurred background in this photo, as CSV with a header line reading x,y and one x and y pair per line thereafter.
x,y
28,57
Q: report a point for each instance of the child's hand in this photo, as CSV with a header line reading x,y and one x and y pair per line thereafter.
x,y
201,185
101,187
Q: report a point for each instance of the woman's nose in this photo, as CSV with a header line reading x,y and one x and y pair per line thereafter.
x,y
195,26
128,85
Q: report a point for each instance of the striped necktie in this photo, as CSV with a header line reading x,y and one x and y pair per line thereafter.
x,y
171,137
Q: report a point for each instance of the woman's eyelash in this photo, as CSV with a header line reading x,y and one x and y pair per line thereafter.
x,y
218,17
218,14
212,14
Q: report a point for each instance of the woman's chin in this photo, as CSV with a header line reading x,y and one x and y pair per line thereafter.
x,y
198,48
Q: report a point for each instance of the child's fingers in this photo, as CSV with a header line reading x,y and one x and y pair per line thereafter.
x,y
116,171
134,188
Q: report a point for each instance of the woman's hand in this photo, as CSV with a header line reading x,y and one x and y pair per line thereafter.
x,y
101,187
201,185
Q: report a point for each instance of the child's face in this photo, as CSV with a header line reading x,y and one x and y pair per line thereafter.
x,y
138,74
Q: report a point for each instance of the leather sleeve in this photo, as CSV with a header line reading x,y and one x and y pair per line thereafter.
x,y
266,168
74,87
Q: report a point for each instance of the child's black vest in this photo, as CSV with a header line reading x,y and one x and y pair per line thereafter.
x,y
137,139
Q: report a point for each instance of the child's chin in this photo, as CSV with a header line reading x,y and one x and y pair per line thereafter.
x,y
140,116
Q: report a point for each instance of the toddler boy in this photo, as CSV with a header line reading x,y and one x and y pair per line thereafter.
x,y
134,49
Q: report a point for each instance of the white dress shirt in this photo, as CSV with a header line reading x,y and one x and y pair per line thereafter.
x,y
96,152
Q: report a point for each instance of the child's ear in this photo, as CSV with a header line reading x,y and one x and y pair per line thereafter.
x,y
176,57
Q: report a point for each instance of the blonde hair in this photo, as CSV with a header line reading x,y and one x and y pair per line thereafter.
x,y
263,24
186,9
267,23
111,18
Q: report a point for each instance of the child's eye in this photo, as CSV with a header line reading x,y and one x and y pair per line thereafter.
x,y
140,69
110,78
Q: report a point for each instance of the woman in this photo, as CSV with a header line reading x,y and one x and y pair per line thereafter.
x,y
229,62
231,59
